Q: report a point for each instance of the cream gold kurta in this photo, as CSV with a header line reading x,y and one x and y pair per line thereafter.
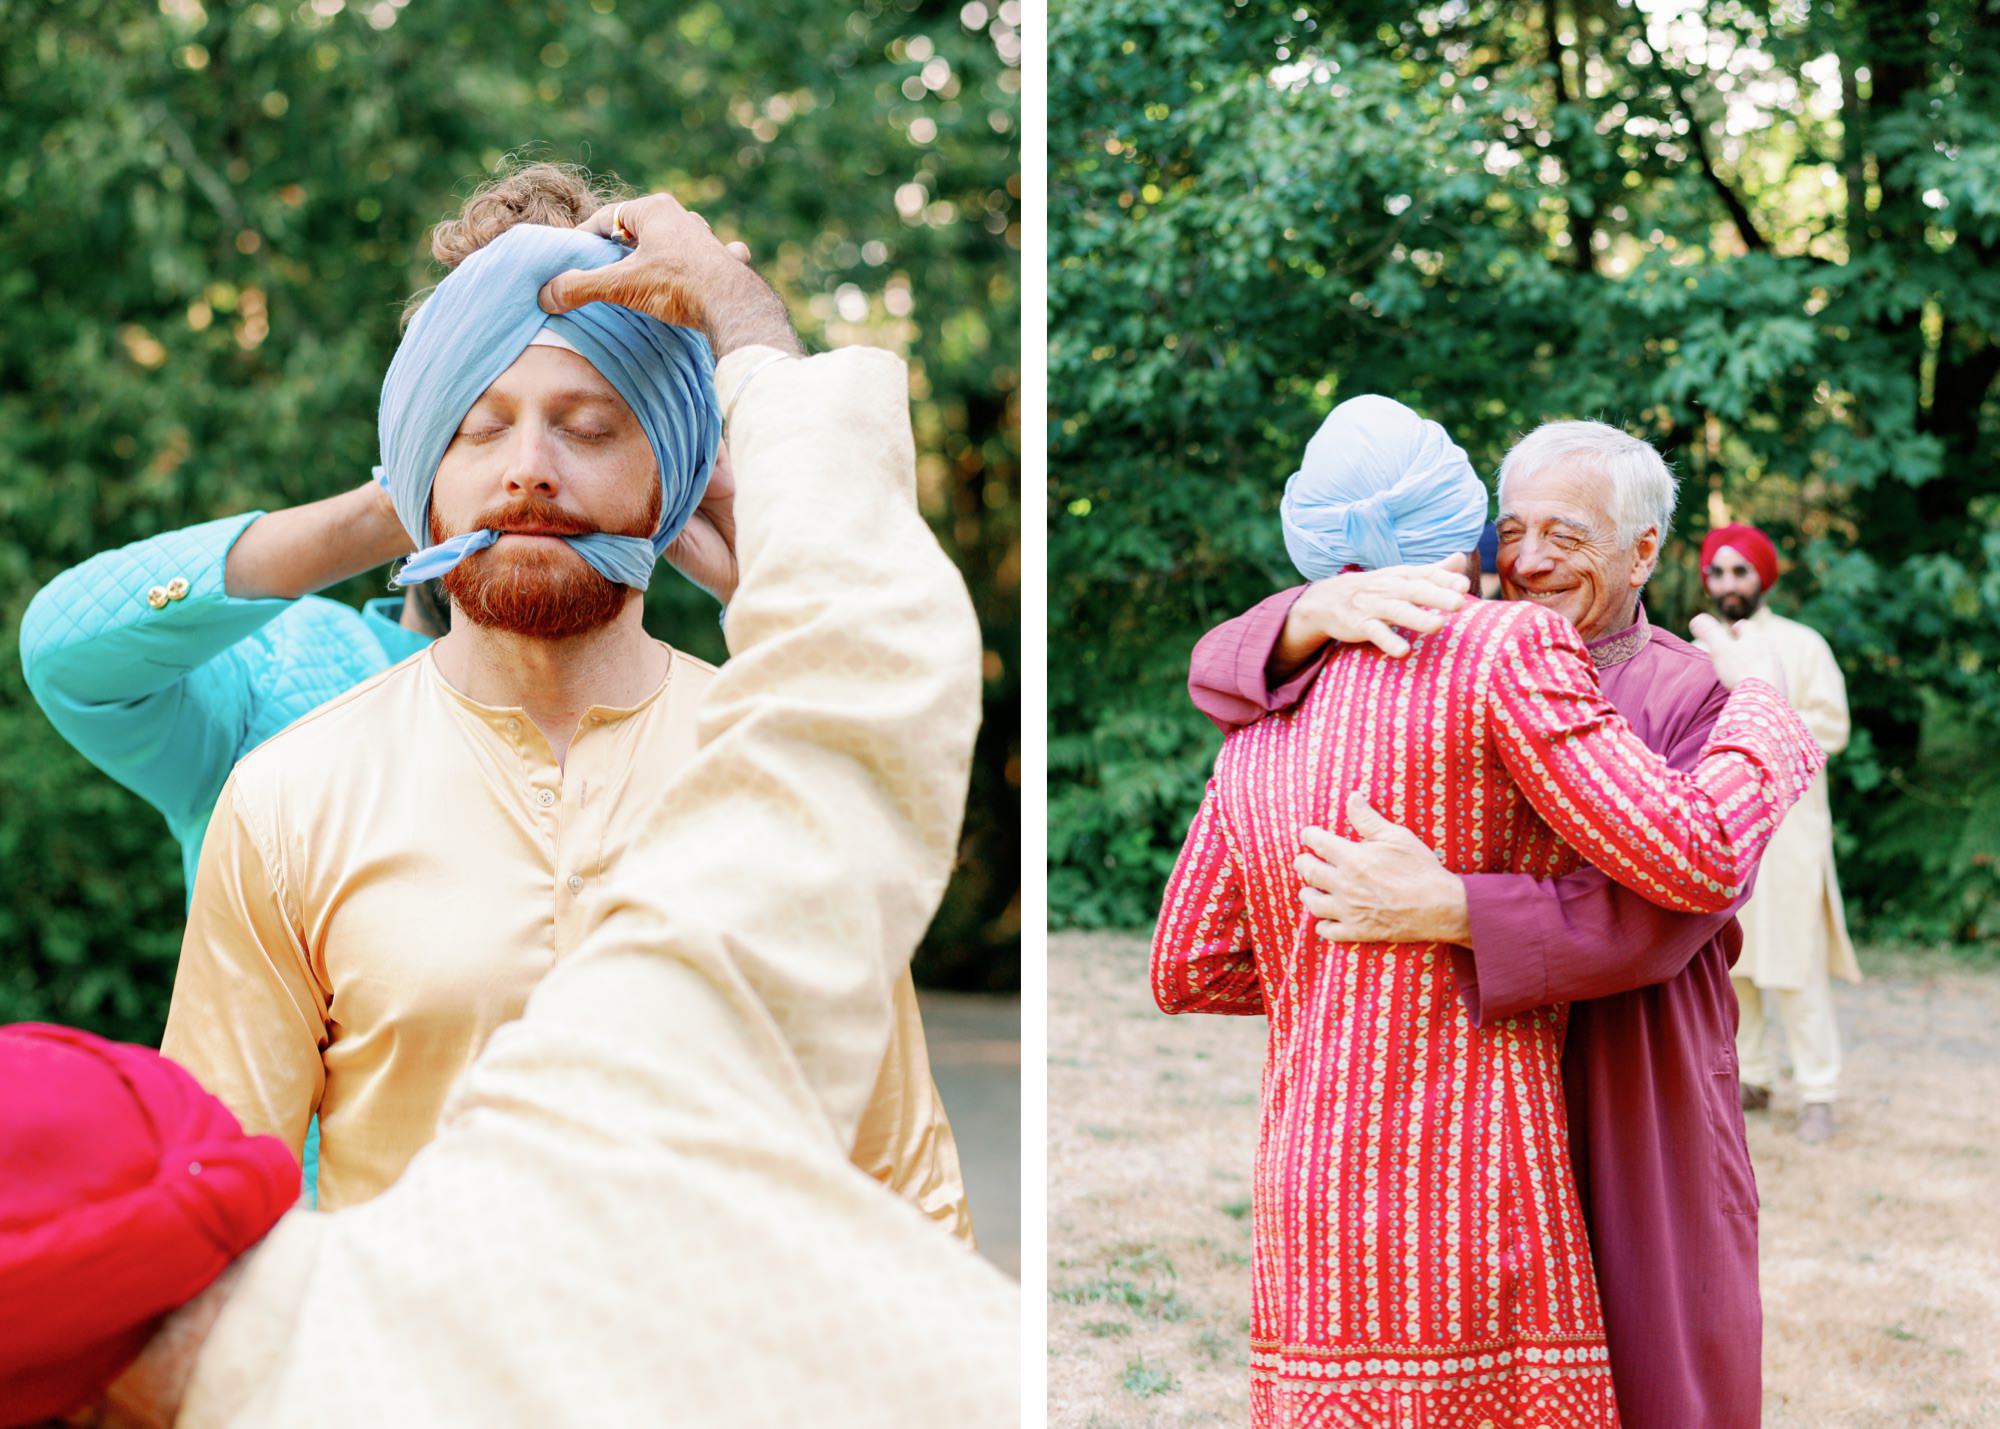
x,y
1794,921
638,1207
384,883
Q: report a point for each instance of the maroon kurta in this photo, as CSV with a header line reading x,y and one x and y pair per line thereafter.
x,y
1649,1066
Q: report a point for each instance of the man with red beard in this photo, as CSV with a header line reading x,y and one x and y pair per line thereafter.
x,y
639,1206
385,882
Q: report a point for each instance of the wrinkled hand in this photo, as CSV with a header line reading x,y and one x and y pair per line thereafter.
x,y
1740,653
1385,887
1365,607
705,550
681,273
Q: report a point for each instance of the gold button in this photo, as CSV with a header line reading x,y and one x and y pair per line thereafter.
x,y
157,597
177,589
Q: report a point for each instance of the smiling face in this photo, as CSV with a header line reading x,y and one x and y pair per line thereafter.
x,y
550,449
1559,548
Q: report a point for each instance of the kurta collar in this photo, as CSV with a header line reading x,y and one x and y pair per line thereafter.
x,y
511,719
1610,650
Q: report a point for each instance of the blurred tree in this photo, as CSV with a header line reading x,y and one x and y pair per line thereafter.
x,y
1760,235
210,218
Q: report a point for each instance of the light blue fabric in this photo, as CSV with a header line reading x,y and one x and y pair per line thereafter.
x,y
471,329
166,701
1380,486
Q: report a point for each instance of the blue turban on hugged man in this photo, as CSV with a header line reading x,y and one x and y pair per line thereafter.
x,y
473,327
1380,486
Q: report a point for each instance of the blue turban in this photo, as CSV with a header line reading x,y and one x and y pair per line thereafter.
x,y
472,328
1380,486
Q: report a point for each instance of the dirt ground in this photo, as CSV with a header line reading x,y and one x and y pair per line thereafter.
x,y
1881,1248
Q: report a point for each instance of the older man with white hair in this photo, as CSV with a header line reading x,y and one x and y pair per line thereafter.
x,y
1649,1064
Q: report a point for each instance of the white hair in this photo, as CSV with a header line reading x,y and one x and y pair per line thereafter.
x,y
1643,486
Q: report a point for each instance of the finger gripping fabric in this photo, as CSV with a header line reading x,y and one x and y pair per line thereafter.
x,y
473,327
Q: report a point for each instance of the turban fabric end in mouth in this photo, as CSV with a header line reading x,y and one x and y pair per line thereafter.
x,y
1748,542
125,1190
1380,486
473,327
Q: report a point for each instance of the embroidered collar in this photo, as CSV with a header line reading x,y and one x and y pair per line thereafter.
x,y
1617,649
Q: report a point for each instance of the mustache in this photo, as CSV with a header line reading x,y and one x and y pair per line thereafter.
x,y
538,517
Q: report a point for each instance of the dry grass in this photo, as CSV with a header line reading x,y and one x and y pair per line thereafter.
x,y
1881,1249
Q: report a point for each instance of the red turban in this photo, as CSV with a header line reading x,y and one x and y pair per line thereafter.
x,y
125,1189
1748,542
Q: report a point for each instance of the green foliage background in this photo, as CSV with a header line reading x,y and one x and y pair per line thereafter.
x,y
209,220
1761,235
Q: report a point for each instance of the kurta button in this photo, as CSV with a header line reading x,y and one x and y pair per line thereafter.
x,y
157,597
177,589
575,884
545,797
513,726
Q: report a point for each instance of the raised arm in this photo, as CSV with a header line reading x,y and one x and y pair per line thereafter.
x,y
799,857
1685,841
1202,960
128,653
1266,658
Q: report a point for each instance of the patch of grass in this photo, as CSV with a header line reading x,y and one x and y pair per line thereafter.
x,y
1153,1303
1104,1133
1237,1210
1212,1346
1143,1260
1143,1380
1897,1332
1107,1329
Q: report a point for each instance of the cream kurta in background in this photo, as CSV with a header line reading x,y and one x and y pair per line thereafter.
x,y
1794,919
384,883
638,1207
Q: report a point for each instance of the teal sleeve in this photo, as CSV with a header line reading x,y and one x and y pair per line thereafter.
x,y
156,698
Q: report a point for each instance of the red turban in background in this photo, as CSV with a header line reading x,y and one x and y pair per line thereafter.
x,y
125,1189
1748,542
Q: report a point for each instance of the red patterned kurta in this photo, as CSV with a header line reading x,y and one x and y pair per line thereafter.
x,y
1421,1261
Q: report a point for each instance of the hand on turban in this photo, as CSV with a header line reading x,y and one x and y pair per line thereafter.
x,y
125,1189
471,329
1748,542
1380,486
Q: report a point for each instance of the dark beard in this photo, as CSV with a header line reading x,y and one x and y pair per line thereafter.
x,y
1738,607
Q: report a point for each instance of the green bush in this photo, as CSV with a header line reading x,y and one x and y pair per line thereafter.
x,y
1260,209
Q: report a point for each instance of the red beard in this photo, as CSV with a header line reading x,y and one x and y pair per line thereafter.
x,y
539,590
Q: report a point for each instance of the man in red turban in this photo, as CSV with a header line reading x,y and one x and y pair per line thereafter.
x,y
125,1189
1794,927
1751,547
